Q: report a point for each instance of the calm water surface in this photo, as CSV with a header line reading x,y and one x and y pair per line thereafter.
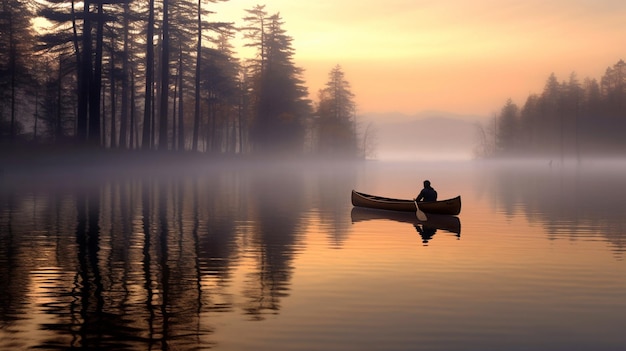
x,y
275,258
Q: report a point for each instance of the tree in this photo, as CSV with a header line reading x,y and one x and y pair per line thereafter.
x,y
146,140
530,124
63,41
229,91
573,107
508,129
335,112
613,85
200,25
125,76
256,23
165,77
369,141
593,108
279,105
551,114
81,33
219,91
16,42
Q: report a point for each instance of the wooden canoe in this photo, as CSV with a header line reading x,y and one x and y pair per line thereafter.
x,y
444,207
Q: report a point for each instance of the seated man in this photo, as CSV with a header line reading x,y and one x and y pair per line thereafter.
x,y
428,193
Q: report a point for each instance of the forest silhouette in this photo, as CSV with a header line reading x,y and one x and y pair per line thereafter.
x,y
147,75
160,76
570,119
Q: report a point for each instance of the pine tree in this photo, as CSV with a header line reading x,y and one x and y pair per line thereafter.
x,y
508,129
337,130
279,104
16,43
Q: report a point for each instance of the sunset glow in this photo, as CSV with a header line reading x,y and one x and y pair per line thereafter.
x,y
457,56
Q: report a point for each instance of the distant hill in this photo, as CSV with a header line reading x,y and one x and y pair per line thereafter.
x,y
430,135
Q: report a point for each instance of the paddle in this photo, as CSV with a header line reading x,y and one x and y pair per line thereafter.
x,y
420,215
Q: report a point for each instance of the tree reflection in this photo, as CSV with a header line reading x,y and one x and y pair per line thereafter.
x,y
146,263
332,185
10,298
568,200
88,277
276,237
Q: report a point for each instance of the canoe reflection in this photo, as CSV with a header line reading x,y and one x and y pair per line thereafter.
x,y
426,229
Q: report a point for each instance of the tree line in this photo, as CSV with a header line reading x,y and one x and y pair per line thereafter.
x,y
160,75
568,119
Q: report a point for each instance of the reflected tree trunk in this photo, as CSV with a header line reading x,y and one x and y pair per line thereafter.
x,y
164,264
90,279
147,260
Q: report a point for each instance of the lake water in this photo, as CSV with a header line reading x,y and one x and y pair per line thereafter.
x,y
275,258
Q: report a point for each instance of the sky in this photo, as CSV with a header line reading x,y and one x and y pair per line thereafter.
x,y
458,56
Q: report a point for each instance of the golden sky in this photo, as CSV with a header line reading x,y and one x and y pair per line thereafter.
x,y
459,56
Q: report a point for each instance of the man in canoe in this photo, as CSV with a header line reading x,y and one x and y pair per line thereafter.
x,y
427,194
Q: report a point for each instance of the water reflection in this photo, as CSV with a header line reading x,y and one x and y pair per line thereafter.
x,y
332,201
277,215
570,201
144,263
195,261
426,229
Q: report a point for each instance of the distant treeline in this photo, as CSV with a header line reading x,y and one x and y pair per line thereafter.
x,y
158,75
568,119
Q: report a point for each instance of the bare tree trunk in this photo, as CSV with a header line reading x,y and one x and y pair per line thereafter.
x,y
12,69
125,92
103,125
133,123
181,105
36,114
84,76
196,114
165,75
96,87
147,112
174,105
114,143
241,113
58,132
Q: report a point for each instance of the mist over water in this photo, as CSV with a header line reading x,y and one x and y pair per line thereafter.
x,y
428,136
197,255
